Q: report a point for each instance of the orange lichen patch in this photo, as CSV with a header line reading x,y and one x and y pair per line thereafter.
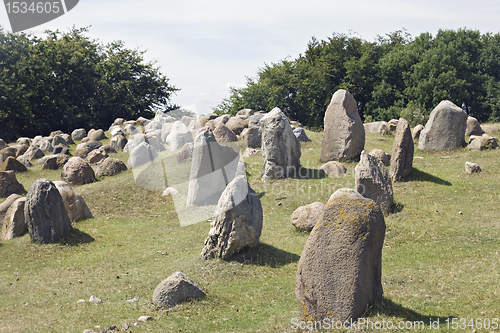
x,y
304,310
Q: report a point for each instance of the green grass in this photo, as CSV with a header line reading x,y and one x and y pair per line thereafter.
x,y
437,262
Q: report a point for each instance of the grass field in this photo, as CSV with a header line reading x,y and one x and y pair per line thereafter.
x,y
441,256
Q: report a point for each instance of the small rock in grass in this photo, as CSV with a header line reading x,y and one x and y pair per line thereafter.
x,y
94,299
472,167
143,319
170,191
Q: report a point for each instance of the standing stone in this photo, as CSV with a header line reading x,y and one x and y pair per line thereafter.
x,y
78,134
344,134
4,206
372,181
333,169
110,167
9,184
473,127
402,152
252,137
280,148
306,217
445,128
417,130
178,136
472,167
45,214
176,289
14,223
339,271
75,205
238,221
76,172
213,167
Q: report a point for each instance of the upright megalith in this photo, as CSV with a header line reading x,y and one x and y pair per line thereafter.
x,y
213,166
445,128
373,181
45,214
339,272
238,221
344,134
280,147
402,151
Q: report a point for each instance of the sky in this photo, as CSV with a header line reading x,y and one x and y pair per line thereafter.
x,y
205,47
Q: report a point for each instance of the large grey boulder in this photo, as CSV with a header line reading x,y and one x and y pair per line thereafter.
x,y
14,222
45,214
118,141
473,127
252,137
482,142
445,128
110,167
333,169
11,163
381,155
344,134
402,152
306,217
9,184
96,135
54,162
178,136
78,134
280,148
33,153
372,181
237,125
213,166
339,271
75,205
176,289
77,172
141,155
224,134
374,127
238,221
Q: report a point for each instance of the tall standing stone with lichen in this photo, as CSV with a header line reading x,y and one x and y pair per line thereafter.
x,y
339,272
402,151
344,134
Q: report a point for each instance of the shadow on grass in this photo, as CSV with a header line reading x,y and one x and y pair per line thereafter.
x,y
396,207
306,173
426,177
76,237
265,255
392,309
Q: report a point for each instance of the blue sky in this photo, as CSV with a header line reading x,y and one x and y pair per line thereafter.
x,y
206,46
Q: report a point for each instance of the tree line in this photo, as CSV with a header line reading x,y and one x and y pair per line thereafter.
x,y
396,74
67,81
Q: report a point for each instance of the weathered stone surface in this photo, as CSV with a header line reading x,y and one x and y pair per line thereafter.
x,y
301,134
382,156
373,127
21,149
280,148
96,135
384,129
333,169
252,137
402,152
245,112
344,134
11,163
339,271
473,127
2,144
8,151
24,141
78,134
54,133
224,134
490,128
254,120
96,156
33,153
4,206
61,149
110,167
222,119
236,125
129,129
445,128
186,153
372,181
76,172
306,217
238,221
392,124
141,155
45,146
75,205
9,184
59,140
45,214
81,152
472,167
89,145
153,139
24,161
176,289
482,142
108,149
213,166
118,142
417,130
178,136
55,162
14,224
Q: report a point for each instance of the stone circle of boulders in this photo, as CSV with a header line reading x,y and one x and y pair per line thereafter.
x,y
238,221
14,223
301,134
473,127
402,152
344,134
176,289
372,181
445,128
75,205
9,184
45,214
333,169
339,272
110,167
280,147
306,217
178,136
77,172
472,167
